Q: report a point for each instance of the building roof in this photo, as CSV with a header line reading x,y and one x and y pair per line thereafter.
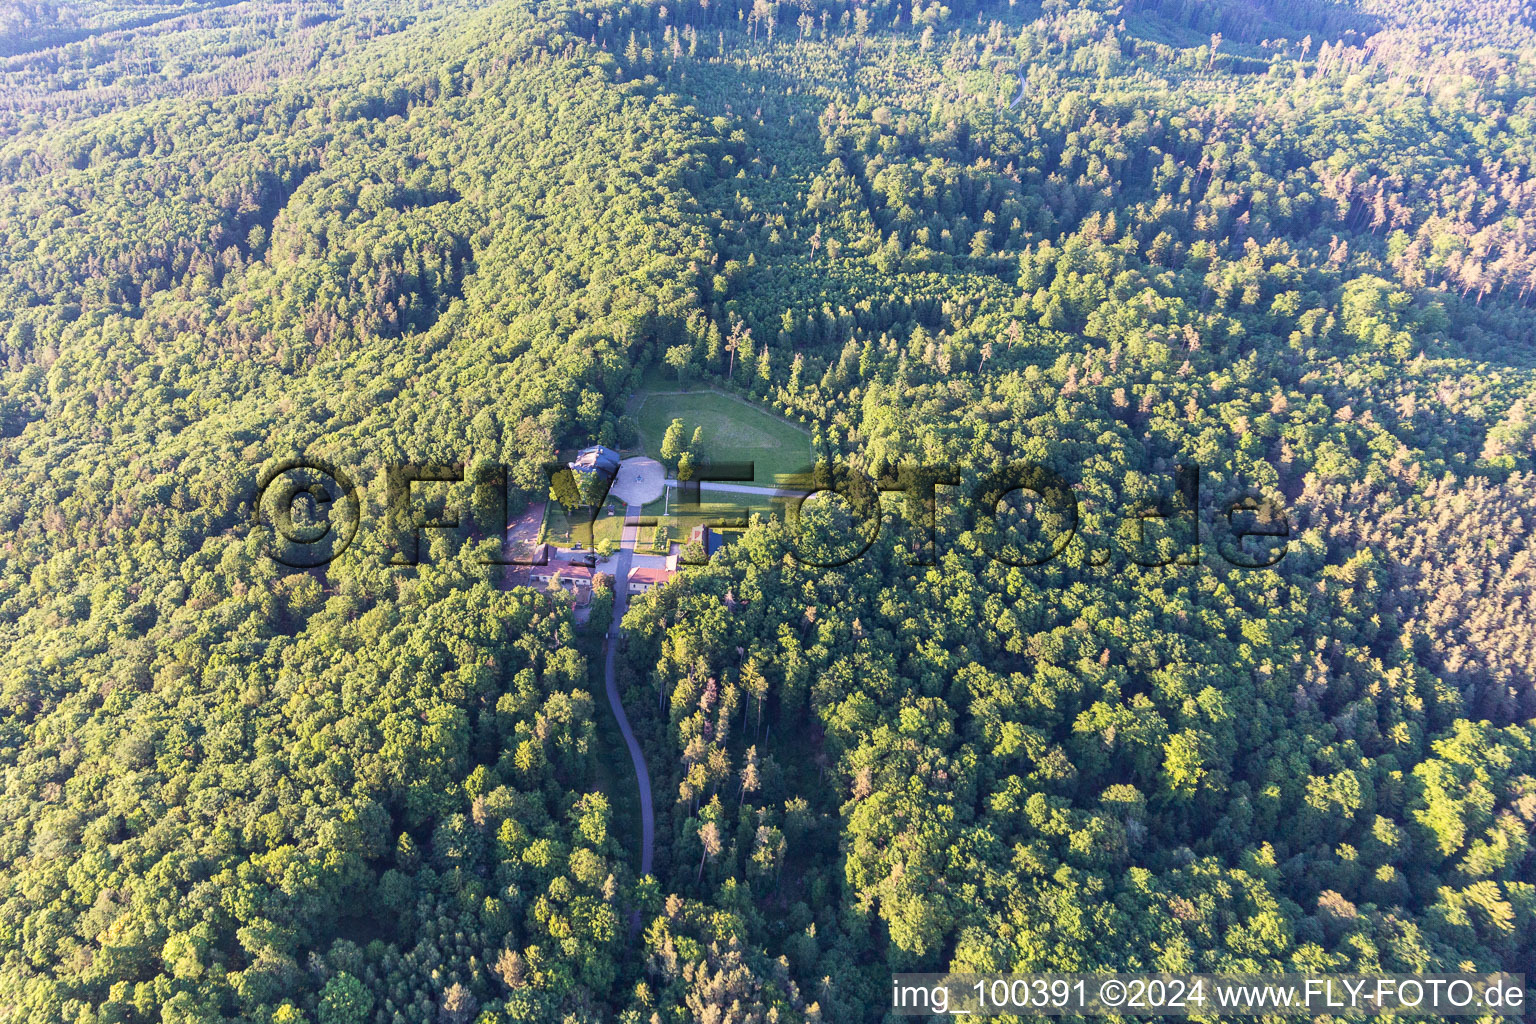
x,y
596,458
570,572
712,540
646,575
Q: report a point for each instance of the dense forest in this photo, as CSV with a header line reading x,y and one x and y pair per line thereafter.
x,y
1284,242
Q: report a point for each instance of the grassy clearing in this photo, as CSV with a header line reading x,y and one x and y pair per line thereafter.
x,y
562,532
735,430
742,506
775,446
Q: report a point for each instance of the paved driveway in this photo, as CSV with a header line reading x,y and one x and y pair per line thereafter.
x,y
620,567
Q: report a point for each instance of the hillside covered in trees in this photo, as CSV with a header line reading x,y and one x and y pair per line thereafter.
x,y
1285,242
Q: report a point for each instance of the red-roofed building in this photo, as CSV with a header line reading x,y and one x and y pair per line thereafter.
x,y
641,580
575,578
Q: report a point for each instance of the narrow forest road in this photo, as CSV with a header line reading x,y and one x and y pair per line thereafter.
x,y
620,603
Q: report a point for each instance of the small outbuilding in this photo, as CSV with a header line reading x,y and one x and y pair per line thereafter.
x,y
643,579
709,538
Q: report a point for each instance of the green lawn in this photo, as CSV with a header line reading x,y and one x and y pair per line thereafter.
x,y
735,430
562,532
742,506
